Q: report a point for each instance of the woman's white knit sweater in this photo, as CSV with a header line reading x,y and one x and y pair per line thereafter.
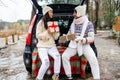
x,y
45,39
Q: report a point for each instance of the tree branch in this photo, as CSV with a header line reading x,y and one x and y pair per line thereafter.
x,y
3,3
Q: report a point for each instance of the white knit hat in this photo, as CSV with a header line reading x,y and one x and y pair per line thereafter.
x,y
81,10
45,9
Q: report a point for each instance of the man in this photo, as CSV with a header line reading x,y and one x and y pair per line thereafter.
x,y
84,31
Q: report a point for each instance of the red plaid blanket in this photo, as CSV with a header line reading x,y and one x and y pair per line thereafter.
x,y
78,64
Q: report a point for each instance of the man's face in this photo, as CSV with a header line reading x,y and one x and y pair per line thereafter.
x,y
75,14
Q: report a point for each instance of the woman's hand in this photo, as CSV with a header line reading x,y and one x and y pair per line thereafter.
x,y
49,31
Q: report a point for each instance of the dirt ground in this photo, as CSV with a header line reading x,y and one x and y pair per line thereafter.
x,y
12,66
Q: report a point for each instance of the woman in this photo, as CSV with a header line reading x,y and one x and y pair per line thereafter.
x,y
84,31
46,44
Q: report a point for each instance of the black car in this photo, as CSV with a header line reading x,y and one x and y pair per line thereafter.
x,y
63,10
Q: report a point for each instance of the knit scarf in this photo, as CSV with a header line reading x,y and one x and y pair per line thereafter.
x,y
82,20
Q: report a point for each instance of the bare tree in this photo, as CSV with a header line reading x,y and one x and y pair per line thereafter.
x,y
87,3
96,14
117,6
3,4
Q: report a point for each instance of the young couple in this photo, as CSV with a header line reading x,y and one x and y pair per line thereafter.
x,y
84,31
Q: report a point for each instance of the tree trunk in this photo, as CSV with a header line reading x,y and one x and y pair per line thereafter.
x,y
82,2
96,15
87,3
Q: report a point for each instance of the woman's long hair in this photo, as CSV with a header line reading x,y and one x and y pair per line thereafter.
x,y
45,19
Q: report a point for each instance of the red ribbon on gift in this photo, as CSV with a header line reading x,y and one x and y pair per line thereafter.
x,y
53,26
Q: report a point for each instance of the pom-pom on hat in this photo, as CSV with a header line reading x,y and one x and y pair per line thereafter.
x,y
45,9
81,10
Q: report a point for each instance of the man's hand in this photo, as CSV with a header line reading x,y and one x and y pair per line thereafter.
x,y
80,40
84,40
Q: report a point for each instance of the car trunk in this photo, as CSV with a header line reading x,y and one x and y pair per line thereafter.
x,y
62,13
62,8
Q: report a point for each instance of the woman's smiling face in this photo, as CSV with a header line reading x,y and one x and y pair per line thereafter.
x,y
50,13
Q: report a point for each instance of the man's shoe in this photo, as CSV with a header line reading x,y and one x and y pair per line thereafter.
x,y
54,77
69,78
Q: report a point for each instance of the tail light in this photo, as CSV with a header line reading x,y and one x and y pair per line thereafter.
x,y
29,35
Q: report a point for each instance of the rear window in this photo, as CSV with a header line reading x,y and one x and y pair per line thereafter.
x,y
46,2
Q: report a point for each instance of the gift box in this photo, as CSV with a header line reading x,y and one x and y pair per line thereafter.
x,y
71,37
63,39
67,38
53,26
